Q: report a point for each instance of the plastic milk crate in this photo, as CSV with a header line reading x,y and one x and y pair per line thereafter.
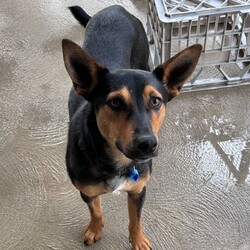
x,y
221,27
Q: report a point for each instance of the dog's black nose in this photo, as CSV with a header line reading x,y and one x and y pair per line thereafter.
x,y
146,144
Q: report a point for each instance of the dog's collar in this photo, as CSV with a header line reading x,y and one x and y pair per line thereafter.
x,y
135,169
134,174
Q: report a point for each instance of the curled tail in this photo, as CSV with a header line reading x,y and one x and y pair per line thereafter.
x,y
80,15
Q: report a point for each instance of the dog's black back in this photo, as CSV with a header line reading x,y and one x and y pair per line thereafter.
x,y
119,38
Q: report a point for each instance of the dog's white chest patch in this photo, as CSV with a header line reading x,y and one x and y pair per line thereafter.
x,y
117,185
124,186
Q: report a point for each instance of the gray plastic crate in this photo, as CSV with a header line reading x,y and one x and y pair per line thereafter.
x,y
221,27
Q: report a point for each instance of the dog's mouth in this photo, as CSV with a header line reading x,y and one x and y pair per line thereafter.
x,y
135,155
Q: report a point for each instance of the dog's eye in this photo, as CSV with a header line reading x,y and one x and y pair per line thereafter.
x,y
115,104
156,102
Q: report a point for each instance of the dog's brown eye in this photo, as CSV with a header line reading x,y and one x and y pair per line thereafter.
x,y
156,102
115,104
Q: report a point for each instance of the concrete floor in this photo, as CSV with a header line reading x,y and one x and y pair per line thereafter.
x,y
199,195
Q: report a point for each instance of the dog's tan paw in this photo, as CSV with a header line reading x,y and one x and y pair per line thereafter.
x,y
140,242
93,232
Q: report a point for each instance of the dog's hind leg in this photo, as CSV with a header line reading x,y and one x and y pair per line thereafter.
x,y
136,236
93,231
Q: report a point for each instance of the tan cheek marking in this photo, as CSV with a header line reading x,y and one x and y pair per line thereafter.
x,y
106,122
157,118
113,125
126,133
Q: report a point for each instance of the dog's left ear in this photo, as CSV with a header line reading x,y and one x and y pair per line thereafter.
x,y
82,68
177,69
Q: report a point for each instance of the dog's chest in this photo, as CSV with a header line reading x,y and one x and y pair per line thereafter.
x,y
118,185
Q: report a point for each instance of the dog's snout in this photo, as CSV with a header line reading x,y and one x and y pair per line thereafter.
x,y
147,144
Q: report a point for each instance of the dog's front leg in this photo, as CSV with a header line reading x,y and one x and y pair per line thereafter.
x,y
93,231
136,236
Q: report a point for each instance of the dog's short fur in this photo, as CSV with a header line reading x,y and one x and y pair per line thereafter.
x,y
116,108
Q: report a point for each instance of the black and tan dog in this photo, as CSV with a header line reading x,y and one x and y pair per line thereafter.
x,y
116,108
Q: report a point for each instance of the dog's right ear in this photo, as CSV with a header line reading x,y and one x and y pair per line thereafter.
x,y
82,68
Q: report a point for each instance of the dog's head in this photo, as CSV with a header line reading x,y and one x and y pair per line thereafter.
x,y
129,104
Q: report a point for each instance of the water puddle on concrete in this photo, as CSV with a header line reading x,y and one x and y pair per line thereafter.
x,y
231,157
232,150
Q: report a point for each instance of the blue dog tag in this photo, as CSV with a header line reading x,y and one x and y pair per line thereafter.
x,y
133,174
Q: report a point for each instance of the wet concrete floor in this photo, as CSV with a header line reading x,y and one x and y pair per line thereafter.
x,y
199,195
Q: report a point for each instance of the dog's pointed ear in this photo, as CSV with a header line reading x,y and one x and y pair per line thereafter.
x,y
177,69
82,68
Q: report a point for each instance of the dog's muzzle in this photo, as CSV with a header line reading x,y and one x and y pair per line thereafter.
x,y
143,148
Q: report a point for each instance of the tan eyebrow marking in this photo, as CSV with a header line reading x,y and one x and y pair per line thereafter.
x,y
148,92
123,93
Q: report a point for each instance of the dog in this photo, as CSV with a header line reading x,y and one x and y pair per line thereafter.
x,y
116,108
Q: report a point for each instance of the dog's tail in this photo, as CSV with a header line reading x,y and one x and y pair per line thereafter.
x,y
80,15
